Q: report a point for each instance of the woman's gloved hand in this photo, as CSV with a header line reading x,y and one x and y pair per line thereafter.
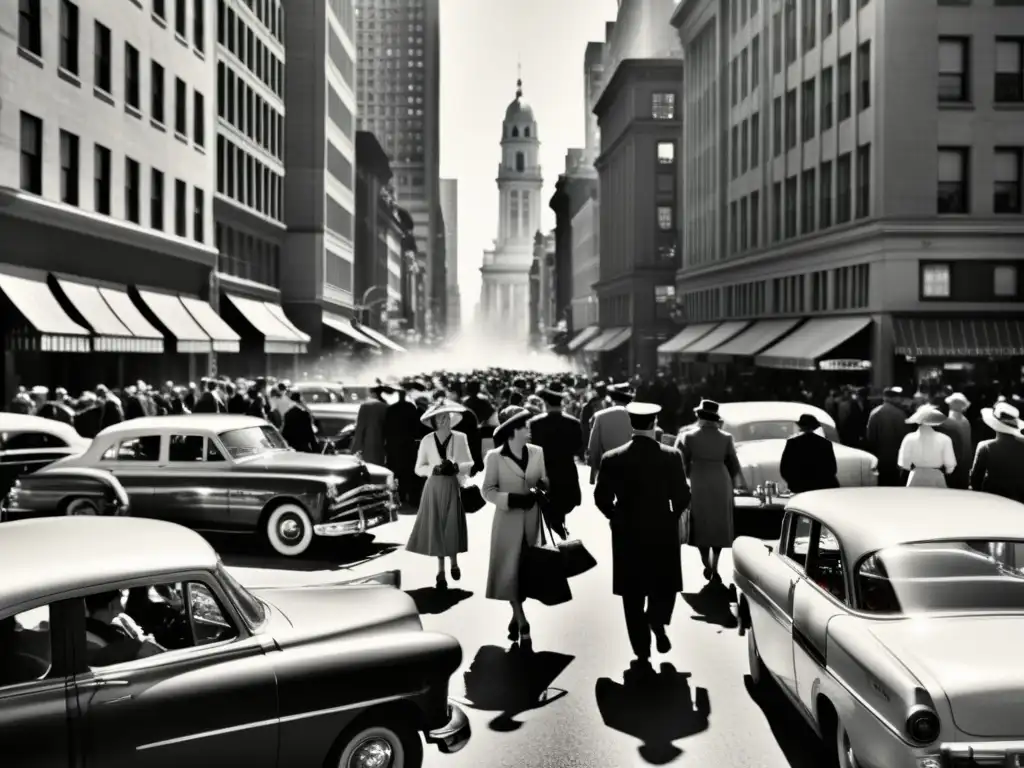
x,y
521,500
449,468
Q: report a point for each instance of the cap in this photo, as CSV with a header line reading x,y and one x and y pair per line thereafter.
x,y
642,415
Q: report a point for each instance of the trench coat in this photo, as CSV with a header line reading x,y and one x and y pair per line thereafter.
x,y
368,437
887,426
709,455
560,437
642,490
611,429
511,529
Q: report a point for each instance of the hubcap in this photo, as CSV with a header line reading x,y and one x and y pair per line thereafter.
x,y
83,509
290,529
372,753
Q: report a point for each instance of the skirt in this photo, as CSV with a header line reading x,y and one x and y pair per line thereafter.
x,y
440,526
926,477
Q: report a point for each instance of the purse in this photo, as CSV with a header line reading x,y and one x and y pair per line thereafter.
x,y
576,556
472,499
542,574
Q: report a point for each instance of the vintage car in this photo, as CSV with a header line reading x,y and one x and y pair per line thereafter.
x,y
28,443
320,391
893,619
226,474
126,642
336,424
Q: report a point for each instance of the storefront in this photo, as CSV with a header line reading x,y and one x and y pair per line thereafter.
x,y
824,352
608,352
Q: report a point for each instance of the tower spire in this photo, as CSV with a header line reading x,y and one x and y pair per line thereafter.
x,y
519,79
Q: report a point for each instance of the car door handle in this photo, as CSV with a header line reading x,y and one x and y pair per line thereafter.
x,y
102,682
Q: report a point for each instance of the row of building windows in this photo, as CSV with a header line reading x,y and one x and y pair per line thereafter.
x,y
937,281
247,181
248,112
703,306
339,166
519,223
956,75
953,194
338,219
235,35
337,270
615,310
339,113
31,172
786,22
160,14
248,256
340,58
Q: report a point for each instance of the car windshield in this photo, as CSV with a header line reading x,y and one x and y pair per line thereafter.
x,y
247,604
253,441
772,430
356,394
944,576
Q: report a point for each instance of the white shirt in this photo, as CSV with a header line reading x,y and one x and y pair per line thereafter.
x,y
458,451
927,449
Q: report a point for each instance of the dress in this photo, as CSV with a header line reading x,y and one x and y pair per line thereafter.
x,y
709,456
925,454
440,526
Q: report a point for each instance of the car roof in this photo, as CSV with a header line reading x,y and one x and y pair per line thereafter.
x,y
23,422
868,519
770,410
54,555
317,384
215,422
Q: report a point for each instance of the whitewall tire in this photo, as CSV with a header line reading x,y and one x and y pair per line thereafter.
x,y
82,508
381,746
289,530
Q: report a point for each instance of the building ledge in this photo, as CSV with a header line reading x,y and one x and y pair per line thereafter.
x,y
248,288
29,207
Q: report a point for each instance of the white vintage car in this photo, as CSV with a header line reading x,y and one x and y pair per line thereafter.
x,y
893,619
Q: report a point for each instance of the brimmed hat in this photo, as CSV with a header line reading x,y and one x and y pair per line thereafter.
x,y
707,410
1003,418
892,392
620,394
958,402
642,415
928,416
509,420
808,421
454,409
552,394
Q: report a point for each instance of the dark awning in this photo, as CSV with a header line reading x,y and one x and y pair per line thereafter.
x,y
46,327
380,338
958,337
109,333
278,338
187,334
685,337
121,303
721,334
344,326
753,340
801,350
221,334
583,337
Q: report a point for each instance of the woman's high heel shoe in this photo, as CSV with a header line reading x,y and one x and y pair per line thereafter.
x,y
513,631
456,573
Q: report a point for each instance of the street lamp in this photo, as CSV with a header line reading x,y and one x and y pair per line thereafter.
x,y
363,306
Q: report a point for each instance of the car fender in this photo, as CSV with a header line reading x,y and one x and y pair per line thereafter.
x,y
308,491
50,489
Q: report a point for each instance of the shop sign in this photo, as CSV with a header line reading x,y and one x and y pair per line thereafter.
x,y
845,365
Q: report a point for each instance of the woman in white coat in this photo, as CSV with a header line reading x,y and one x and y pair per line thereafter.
x,y
927,455
513,472
444,459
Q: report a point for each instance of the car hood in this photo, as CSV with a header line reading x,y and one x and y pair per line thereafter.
x,y
296,462
760,462
975,660
319,612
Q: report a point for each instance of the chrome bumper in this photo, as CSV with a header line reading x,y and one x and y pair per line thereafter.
x,y
1004,754
453,736
356,525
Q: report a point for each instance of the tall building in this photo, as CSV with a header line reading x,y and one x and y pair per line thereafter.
x,y
316,275
505,284
593,82
641,30
450,210
398,96
106,183
840,218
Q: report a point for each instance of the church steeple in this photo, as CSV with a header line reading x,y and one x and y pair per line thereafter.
x,y
519,81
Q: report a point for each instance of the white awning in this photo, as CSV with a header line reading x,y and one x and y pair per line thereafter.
x,y
685,337
380,338
278,338
123,306
758,336
51,330
344,326
221,334
801,350
188,336
109,333
278,311
583,337
598,342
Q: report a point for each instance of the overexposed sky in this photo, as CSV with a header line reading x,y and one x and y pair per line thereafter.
x,y
481,43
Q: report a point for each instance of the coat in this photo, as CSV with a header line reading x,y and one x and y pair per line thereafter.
x,y
809,463
611,429
887,426
299,431
997,468
402,430
560,438
427,456
368,437
511,529
642,490
709,457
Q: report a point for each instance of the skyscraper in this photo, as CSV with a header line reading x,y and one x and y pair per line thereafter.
x,y
398,54
450,209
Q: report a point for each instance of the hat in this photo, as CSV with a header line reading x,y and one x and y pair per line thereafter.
x,y
958,402
519,384
808,421
454,409
892,392
620,394
928,416
40,390
1003,418
643,415
552,394
707,410
509,420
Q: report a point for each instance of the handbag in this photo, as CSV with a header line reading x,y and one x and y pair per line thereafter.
x,y
542,574
472,499
576,556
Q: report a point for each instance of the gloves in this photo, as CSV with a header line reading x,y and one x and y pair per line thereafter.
x,y
521,500
446,468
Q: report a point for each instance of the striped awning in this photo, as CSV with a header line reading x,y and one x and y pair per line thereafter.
x,y
958,337
43,325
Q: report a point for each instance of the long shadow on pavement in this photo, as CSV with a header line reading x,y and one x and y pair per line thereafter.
x,y
513,681
656,708
712,605
323,555
431,600
797,740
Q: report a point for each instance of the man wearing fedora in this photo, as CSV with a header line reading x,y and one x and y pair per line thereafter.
x,y
559,436
999,463
809,459
597,402
611,428
959,430
887,426
368,438
642,490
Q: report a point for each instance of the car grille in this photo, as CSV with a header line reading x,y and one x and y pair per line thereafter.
x,y
366,499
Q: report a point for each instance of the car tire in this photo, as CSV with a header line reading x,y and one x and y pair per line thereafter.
x,y
844,755
81,508
289,530
403,743
759,676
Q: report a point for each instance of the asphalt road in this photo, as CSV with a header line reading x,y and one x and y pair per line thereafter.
x,y
568,705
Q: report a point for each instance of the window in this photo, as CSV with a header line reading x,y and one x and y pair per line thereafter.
x,y
101,173
1009,70
180,208
827,106
520,162
935,281
513,217
198,216
664,301
131,191
157,92
777,126
845,85
755,62
799,540
733,226
198,119
791,119
181,17
180,107
734,154
666,152
777,211
744,218
807,196
953,174
826,565
744,146
156,199
734,82
198,24
744,74
825,191
864,181
810,25
25,647
844,11
843,181
663,106
755,140
31,154
160,9
69,36
30,441
665,218
146,448
30,27
953,79
68,168
863,76
791,206
755,218
1007,197
132,90
777,43
1004,281
102,62
808,110
791,49
826,19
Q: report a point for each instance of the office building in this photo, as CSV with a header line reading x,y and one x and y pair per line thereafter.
x,y
450,211
842,220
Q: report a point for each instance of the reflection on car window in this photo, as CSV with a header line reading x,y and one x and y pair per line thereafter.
x,y
826,569
135,449
252,441
799,539
245,602
30,441
213,452
25,647
773,430
943,576
185,448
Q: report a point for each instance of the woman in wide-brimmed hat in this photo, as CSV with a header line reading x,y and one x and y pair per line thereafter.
x,y
926,455
998,462
514,472
444,459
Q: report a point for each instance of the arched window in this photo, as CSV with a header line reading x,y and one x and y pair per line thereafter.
x,y
526,131
513,213
515,131
520,162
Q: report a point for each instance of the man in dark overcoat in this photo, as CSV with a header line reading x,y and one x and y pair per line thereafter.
x,y
298,427
809,459
560,438
597,402
887,426
642,490
368,438
401,441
